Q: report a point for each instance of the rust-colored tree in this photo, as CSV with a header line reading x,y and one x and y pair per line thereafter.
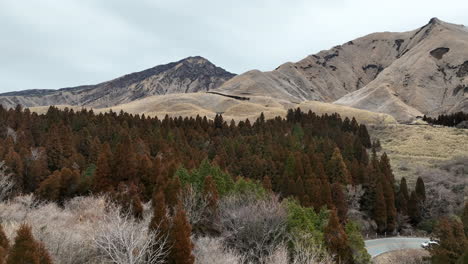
x,y
336,239
452,242
337,170
4,245
102,176
181,250
380,208
26,250
339,201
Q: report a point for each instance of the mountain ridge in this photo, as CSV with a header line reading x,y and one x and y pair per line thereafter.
x,y
191,74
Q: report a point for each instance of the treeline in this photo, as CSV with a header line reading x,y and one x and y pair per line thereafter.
x,y
62,154
447,120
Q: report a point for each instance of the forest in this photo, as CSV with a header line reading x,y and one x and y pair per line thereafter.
x,y
282,190
450,120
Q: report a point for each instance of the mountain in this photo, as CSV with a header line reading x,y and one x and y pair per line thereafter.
x,y
431,76
192,74
406,74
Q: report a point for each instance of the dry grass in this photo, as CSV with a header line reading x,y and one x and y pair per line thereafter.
x,y
405,256
205,104
411,147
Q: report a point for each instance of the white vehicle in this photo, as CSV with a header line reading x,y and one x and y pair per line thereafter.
x,y
429,243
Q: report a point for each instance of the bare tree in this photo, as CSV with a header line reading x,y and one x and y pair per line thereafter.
x,y
353,196
210,250
123,240
6,182
253,227
195,205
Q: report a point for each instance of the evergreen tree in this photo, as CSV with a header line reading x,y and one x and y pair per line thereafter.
x,y
404,189
414,208
364,136
380,208
4,245
389,195
339,201
102,176
336,239
421,189
211,193
465,219
181,250
159,222
452,242
26,250
337,170
49,189
54,150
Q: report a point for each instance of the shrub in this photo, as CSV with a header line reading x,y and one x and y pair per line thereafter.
x,y
253,227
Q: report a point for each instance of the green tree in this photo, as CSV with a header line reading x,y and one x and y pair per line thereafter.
x,y
421,189
356,243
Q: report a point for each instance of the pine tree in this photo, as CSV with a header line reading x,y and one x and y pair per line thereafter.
x,y
49,189
44,256
453,243
389,195
26,250
181,250
337,170
465,219
54,149
339,201
172,193
404,188
211,193
364,136
414,208
266,183
102,176
336,239
421,189
159,222
380,208
4,245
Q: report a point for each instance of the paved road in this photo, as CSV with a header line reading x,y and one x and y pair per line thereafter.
x,y
376,247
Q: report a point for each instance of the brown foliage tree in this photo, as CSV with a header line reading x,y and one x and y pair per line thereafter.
x,y
181,251
452,242
4,245
26,250
380,208
339,200
337,170
102,176
465,219
336,239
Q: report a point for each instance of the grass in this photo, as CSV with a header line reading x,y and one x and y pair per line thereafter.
x,y
411,147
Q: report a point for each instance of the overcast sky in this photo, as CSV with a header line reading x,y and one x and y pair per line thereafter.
x,y
62,43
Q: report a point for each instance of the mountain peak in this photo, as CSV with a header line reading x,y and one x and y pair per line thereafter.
x,y
435,21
